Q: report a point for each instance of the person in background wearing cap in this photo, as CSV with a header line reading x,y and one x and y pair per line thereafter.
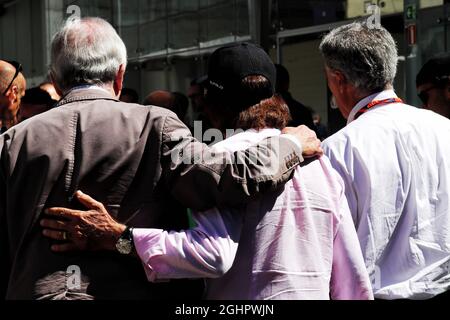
x,y
395,162
12,90
298,242
433,84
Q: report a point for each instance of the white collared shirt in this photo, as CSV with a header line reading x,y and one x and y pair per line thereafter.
x,y
395,162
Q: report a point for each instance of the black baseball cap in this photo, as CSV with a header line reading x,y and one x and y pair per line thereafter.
x,y
230,64
435,70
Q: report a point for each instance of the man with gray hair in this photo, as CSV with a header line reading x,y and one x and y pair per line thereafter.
x,y
130,157
395,165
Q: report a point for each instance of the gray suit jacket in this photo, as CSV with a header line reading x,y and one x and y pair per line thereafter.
x,y
136,160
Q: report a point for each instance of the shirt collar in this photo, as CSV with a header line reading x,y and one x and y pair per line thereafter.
x,y
82,93
86,87
387,94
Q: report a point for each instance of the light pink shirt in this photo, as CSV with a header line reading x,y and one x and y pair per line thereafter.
x,y
297,243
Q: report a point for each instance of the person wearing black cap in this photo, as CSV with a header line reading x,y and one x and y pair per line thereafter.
x,y
433,84
294,243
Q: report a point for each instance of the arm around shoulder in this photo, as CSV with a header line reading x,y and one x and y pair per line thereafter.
x,y
201,179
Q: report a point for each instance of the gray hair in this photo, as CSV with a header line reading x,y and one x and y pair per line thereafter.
x,y
86,51
367,56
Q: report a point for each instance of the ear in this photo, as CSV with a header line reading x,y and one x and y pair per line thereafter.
x,y
341,80
57,88
12,94
118,81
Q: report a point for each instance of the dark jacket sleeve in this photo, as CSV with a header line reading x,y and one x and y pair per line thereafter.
x,y
4,251
201,179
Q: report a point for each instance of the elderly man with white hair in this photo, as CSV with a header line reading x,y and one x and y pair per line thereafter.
x,y
395,162
130,157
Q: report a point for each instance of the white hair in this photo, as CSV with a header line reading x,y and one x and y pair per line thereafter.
x,y
366,56
86,51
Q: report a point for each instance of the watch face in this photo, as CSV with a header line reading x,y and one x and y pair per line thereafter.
x,y
124,246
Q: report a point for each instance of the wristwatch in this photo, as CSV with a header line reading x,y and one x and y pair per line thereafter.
x,y
125,244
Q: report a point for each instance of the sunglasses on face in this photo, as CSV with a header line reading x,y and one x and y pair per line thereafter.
x,y
18,67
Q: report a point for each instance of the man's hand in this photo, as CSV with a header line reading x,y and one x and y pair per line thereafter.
x,y
94,229
308,139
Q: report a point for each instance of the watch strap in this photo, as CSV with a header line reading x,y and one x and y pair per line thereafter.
x,y
127,234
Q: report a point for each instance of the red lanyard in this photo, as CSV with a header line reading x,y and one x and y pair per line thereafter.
x,y
377,103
